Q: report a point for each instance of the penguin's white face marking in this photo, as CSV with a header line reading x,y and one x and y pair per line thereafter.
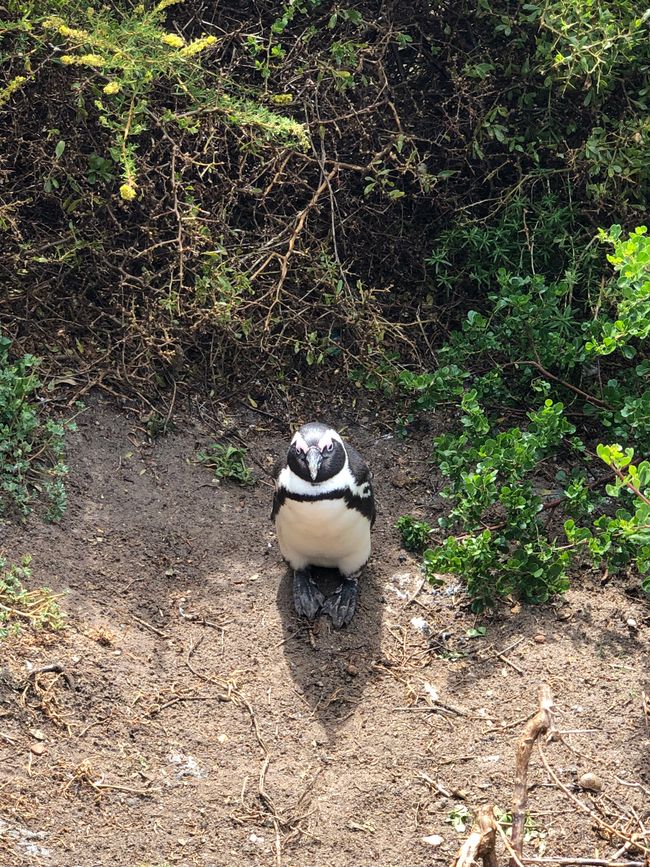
x,y
298,442
326,442
316,454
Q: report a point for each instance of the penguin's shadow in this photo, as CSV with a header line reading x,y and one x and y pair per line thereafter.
x,y
332,667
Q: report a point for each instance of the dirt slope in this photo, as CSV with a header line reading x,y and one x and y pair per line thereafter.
x,y
207,726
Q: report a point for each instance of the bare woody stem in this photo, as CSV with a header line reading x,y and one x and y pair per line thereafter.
x,y
480,843
541,723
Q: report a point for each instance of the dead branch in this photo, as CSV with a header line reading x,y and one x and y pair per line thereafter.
x,y
480,843
541,723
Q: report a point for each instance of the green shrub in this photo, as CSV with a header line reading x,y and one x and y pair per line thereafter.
x,y
31,449
506,536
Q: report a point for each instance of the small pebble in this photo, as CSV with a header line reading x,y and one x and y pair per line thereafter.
x,y
422,626
38,734
38,748
433,840
631,622
351,669
540,638
590,782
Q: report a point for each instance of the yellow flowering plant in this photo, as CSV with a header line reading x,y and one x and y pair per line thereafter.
x,y
128,54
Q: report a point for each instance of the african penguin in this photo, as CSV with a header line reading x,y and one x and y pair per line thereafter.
x,y
323,509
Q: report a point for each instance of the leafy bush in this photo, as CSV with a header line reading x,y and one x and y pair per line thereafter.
x,y
31,449
20,606
213,190
504,513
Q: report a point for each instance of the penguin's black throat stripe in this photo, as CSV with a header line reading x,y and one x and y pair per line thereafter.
x,y
363,505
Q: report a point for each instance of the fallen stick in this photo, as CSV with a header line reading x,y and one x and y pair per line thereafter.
x,y
480,843
541,723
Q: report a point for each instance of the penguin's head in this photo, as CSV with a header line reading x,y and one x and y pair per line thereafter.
x,y
316,453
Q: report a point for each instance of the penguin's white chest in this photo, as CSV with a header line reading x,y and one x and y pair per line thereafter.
x,y
323,533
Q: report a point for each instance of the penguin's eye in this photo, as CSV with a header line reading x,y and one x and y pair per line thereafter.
x,y
300,450
329,447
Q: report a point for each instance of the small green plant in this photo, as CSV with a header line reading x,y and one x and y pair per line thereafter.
x,y
459,818
228,462
31,449
20,606
415,534
631,261
624,536
532,834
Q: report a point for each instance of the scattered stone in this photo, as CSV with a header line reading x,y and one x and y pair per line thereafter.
x,y
422,626
38,734
187,765
351,669
431,692
255,839
26,840
222,739
38,748
399,584
590,782
631,622
540,638
433,840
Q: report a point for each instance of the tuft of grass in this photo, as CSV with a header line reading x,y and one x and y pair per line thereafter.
x,y
20,606
227,462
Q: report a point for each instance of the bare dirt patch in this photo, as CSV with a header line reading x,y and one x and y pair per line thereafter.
x,y
200,723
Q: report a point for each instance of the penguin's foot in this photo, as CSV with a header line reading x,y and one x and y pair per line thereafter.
x,y
342,603
307,598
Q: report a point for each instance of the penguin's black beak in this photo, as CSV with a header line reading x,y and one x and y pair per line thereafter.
x,y
314,460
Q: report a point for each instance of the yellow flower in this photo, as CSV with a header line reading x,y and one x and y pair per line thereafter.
x,y
112,87
281,98
70,32
52,22
13,85
198,45
165,3
83,60
92,60
173,40
128,191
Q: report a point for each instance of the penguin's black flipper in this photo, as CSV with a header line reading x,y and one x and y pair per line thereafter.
x,y
362,475
278,496
342,603
307,598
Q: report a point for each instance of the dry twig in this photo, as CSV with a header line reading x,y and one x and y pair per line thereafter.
x,y
540,724
480,843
